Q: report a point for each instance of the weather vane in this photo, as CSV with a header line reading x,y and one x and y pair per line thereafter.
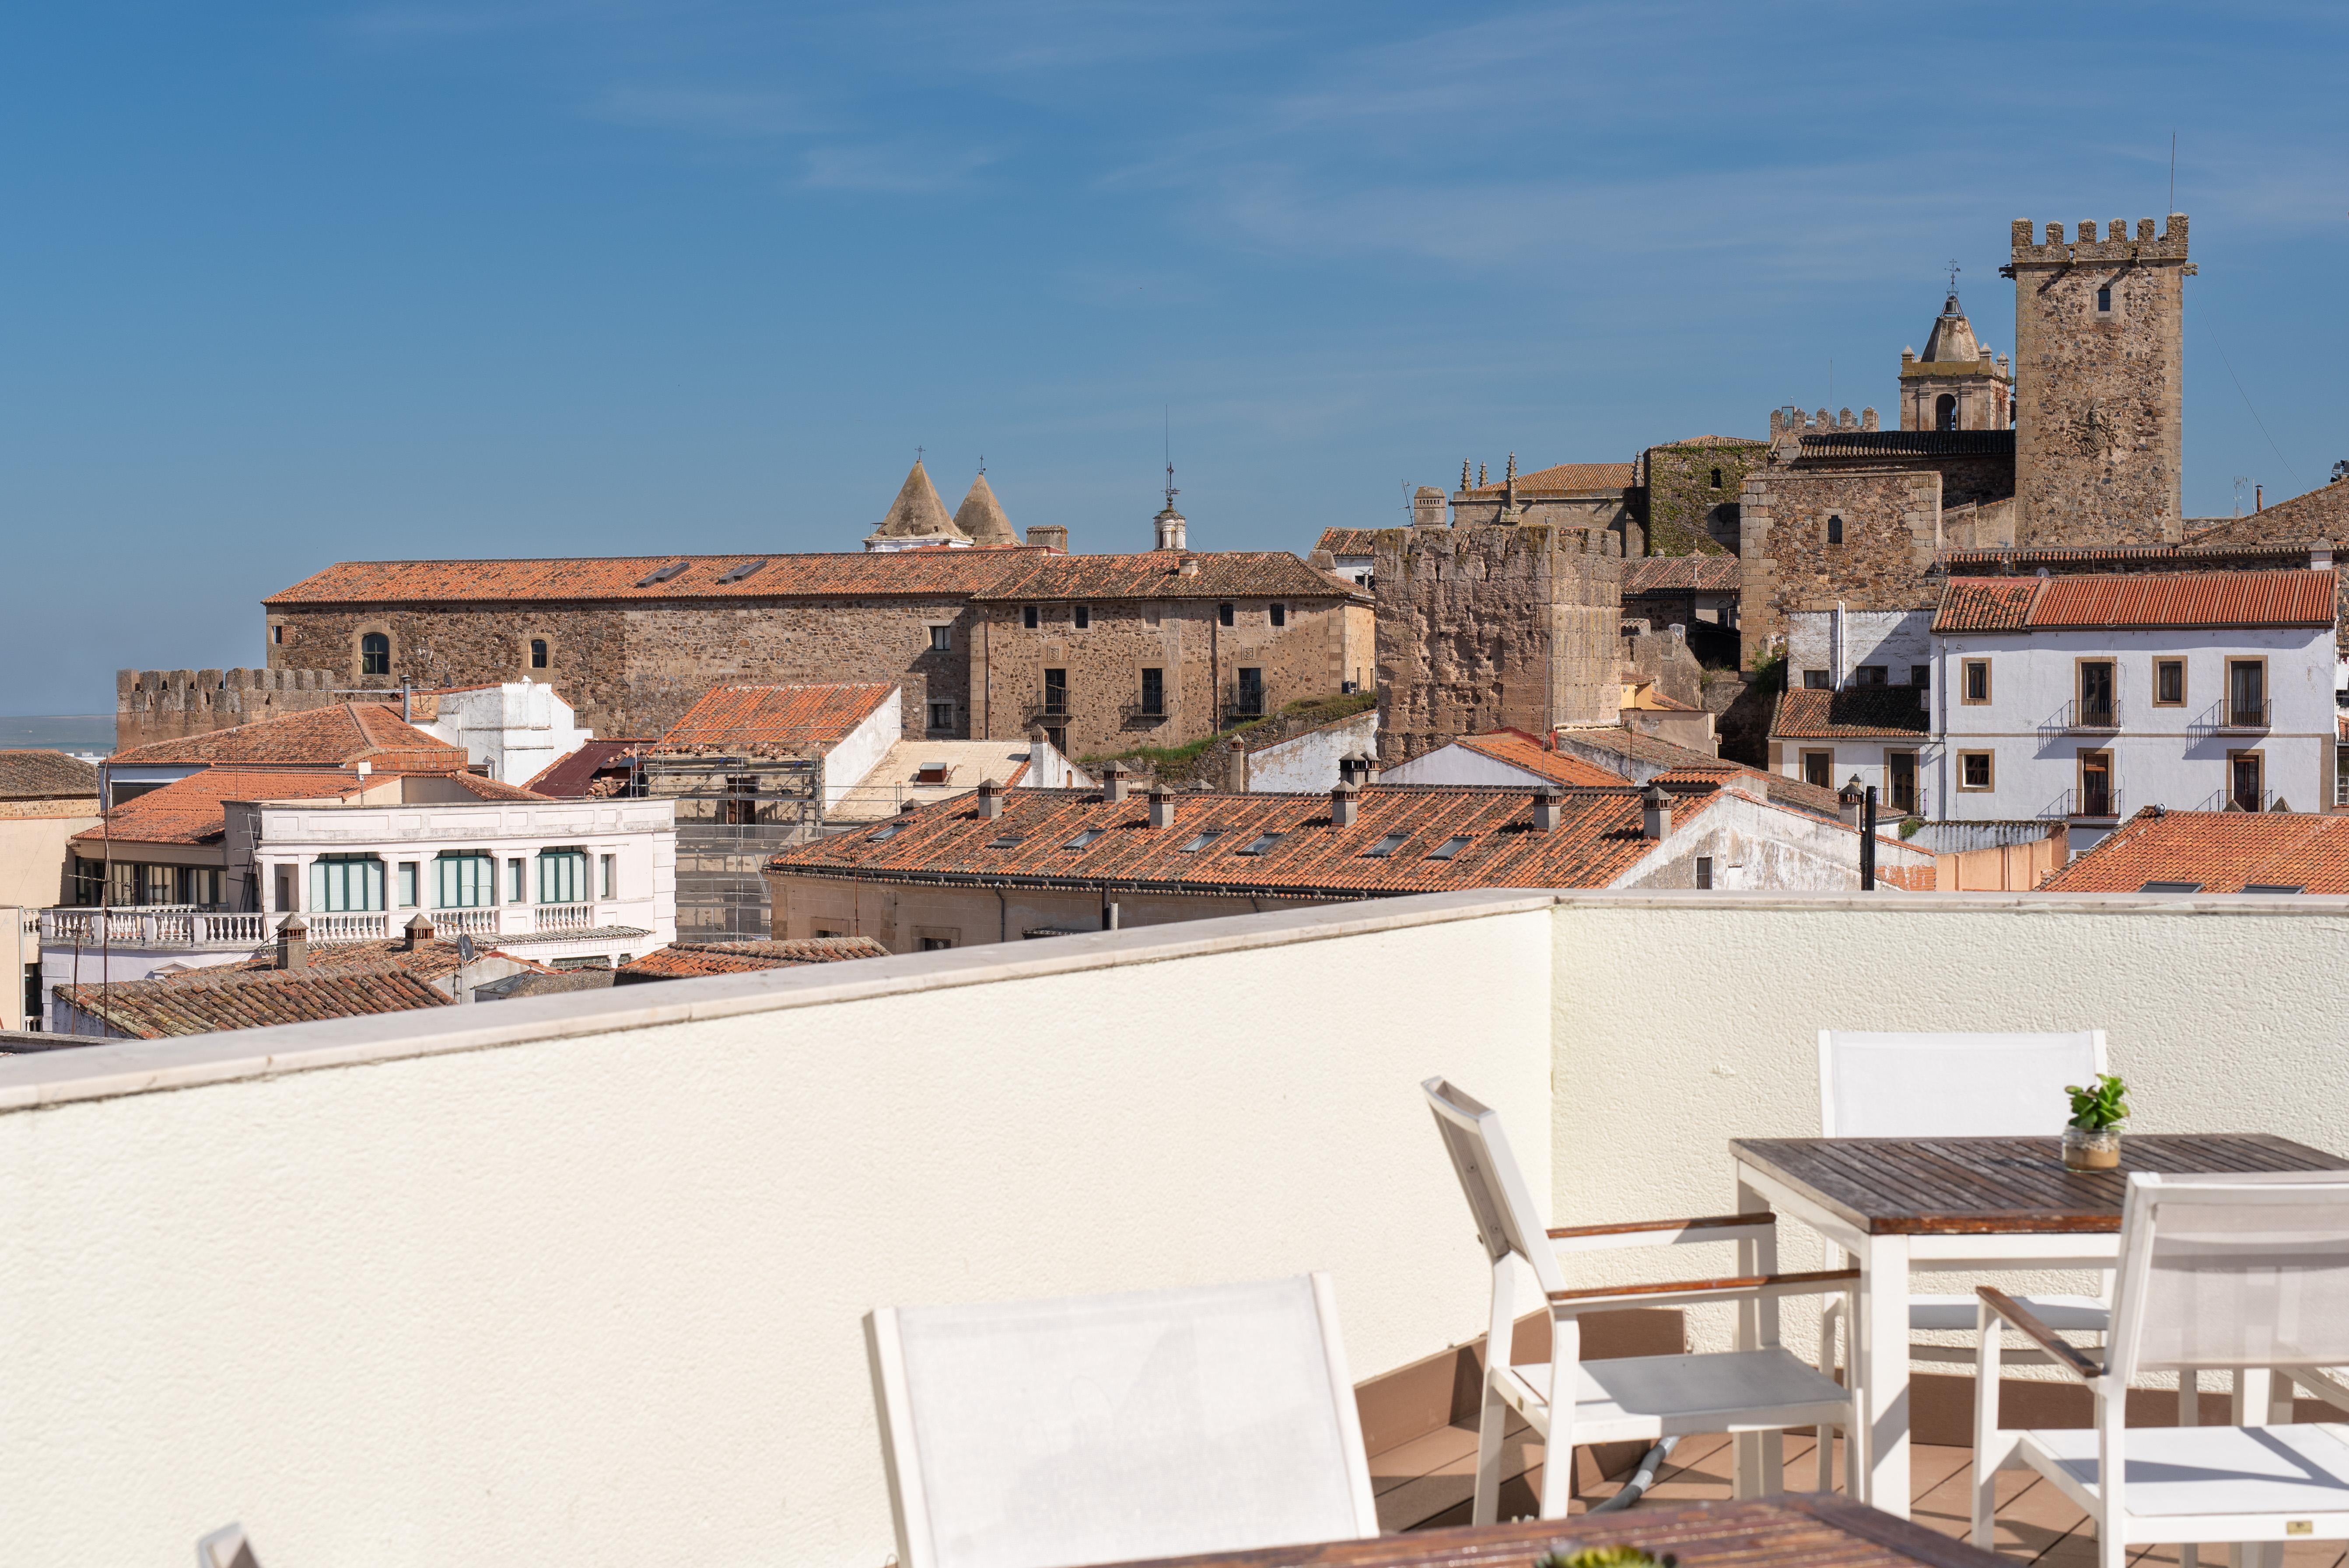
x,y
1953,275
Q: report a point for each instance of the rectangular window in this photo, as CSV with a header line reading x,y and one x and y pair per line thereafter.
x,y
1083,615
563,876
1703,872
1154,693
2097,797
1260,845
1251,691
2341,776
2097,706
515,885
1872,676
1224,615
1280,614
2171,887
285,891
740,809
1818,768
937,943
1056,691
346,883
160,884
1200,841
2169,683
464,879
1900,781
2244,783
407,881
941,639
2247,693
277,635
1390,844
1084,838
1815,680
204,890
1448,847
1974,770
942,716
1920,676
1973,681
607,875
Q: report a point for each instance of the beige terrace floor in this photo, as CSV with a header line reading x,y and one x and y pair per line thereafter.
x,y
1426,1482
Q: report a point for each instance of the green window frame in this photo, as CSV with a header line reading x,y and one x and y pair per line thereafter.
x,y
341,884
563,875
464,879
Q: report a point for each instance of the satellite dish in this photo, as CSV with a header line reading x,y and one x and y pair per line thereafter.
x,y
464,948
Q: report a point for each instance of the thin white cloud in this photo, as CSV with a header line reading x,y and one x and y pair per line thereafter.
x,y
897,169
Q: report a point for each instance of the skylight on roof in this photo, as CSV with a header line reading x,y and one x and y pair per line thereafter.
x,y
2276,887
2170,887
1004,841
736,574
888,831
1201,841
1260,843
1448,847
673,568
1081,839
1386,846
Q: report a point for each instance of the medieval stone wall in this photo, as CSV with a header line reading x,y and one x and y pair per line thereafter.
x,y
1888,518
1480,628
1613,511
1320,646
1683,510
169,705
2098,392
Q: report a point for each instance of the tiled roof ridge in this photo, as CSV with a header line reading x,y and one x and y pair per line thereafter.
x,y
1536,481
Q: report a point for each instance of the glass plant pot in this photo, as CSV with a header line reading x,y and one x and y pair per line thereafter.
x,y
2087,1150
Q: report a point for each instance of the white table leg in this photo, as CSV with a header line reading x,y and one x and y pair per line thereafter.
x,y
1882,1359
1757,1466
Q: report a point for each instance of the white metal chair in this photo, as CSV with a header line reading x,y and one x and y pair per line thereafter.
x,y
2247,1272
1954,1085
1039,1434
1643,1397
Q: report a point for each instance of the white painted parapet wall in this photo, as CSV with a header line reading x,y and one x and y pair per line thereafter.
x,y
578,1279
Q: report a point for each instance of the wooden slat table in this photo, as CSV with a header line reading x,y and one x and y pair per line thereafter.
x,y
1899,1203
1794,1531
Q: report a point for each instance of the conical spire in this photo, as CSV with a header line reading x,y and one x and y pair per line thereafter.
x,y
1954,335
981,515
918,512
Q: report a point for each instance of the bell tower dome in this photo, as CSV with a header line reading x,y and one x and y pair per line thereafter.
x,y
1956,384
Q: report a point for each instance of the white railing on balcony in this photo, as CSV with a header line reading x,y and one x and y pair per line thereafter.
x,y
566,917
160,925
450,924
373,925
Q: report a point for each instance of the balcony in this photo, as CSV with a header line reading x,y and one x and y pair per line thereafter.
x,y
2085,718
2245,717
589,1266
2086,806
1050,709
1143,715
154,926
562,916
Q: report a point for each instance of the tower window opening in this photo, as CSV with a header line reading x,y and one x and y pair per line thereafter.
x,y
2104,300
1945,412
1835,528
1717,479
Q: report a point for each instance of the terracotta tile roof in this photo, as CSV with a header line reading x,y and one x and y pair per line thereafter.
x,y
1157,575
2223,852
189,811
2025,562
34,775
1855,711
333,737
1565,479
429,961
1597,840
2115,601
573,777
912,574
1519,749
1348,541
684,960
486,788
1639,758
1910,444
159,1009
803,719
1680,575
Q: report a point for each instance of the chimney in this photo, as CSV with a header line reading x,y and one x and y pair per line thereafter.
x,y
2259,498
1655,813
1550,808
1190,567
1161,806
1428,507
1037,741
1114,781
293,944
1349,768
1048,537
419,932
990,797
2320,555
1847,802
1236,766
1345,803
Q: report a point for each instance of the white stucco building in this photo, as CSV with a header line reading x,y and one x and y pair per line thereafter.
x,y
517,730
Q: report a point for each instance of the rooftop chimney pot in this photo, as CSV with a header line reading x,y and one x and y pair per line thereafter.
x,y
1161,806
417,933
1549,809
1114,778
1345,804
1655,813
990,798
293,944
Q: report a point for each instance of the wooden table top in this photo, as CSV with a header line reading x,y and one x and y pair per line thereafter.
x,y
1797,1530
1956,1186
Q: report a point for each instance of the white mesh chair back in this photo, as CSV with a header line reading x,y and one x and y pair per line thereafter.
x,y
1039,1434
1951,1086
1506,1220
2233,1271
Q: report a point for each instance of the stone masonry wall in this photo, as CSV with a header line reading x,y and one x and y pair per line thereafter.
x,y
1483,627
1685,512
1322,644
2097,394
1888,521
170,705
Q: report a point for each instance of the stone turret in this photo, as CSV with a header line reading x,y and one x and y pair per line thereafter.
x,y
981,516
916,517
1956,384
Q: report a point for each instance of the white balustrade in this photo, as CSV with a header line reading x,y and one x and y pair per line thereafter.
x,y
447,924
373,926
155,926
566,917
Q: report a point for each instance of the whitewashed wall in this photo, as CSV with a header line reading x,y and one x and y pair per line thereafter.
x,y
1309,762
571,1292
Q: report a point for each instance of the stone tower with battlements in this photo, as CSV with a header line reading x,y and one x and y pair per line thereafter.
x,y
2099,368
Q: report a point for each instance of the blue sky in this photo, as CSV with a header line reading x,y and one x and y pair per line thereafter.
x,y
292,284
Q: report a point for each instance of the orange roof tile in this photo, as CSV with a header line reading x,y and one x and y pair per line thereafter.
x,y
913,573
2219,851
160,1009
1519,749
2113,601
427,961
1717,574
1348,541
797,718
40,775
1855,711
1640,757
1565,479
685,960
573,776
333,737
1296,850
190,810
1157,575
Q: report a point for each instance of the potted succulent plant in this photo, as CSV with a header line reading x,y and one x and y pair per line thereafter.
x,y
2092,1138
1607,1557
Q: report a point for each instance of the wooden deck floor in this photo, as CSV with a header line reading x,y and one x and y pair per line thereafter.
x,y
1427,1482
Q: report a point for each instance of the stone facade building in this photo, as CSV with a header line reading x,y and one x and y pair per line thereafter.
x,y
1564,495
1687,493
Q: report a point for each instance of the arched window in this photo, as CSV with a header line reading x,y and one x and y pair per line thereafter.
x,y
375,655
538,653
1945,412
1835,528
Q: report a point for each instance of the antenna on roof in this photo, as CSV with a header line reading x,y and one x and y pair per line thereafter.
x,y
2173,173
982,462
1167,436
